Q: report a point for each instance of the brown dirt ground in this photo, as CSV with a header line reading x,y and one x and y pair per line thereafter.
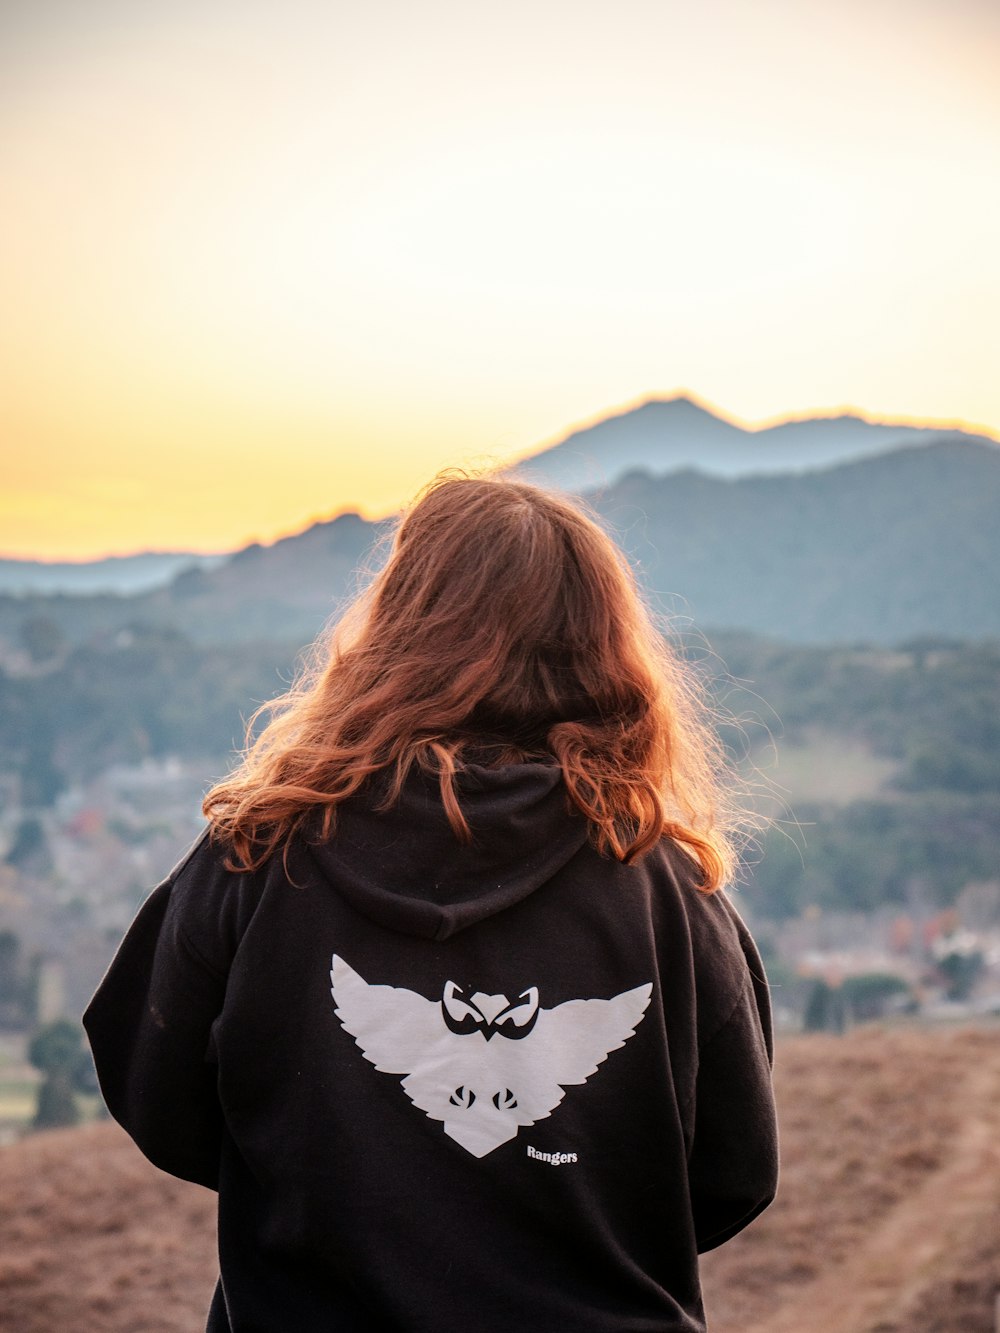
x,y
888,1214
95,1240
887,1220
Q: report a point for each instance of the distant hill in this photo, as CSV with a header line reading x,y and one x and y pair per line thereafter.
x,y
882,550
285,590
885,1221
667,435
281,592
123,574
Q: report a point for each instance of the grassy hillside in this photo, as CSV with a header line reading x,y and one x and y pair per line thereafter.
x,y
886,1221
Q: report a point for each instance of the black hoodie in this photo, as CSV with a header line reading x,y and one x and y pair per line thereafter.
x,y
511,1085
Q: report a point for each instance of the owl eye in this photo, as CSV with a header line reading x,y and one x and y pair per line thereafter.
x,y
504,1100
462,1096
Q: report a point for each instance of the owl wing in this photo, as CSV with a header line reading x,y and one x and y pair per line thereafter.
x,y
572,1039
394,1027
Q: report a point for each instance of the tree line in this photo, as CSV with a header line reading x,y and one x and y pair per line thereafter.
x,y
932,707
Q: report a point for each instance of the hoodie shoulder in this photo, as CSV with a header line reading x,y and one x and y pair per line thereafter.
x,y
209,905
727,965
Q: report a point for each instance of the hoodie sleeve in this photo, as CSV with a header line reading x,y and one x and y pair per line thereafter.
x,y
733,1167
150,1021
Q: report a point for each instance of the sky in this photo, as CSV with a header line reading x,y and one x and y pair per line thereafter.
x,y
263,262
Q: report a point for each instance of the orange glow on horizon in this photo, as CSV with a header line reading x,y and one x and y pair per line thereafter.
x,y
285,500
265,262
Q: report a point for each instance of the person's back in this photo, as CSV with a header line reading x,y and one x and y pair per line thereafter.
x,y
447,1079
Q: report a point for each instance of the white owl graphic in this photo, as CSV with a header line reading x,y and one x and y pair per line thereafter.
x,y
483,1066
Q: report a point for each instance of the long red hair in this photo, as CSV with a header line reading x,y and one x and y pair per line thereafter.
x,y
505,626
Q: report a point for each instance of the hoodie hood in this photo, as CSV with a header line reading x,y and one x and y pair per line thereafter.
x,y
405,869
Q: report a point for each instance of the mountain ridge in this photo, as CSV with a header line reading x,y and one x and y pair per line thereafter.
x,y
661,434
668,434
881,549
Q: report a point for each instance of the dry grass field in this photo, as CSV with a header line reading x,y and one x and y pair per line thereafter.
x,y
888,1218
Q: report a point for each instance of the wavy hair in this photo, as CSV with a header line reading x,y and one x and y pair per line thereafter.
x,y
505,626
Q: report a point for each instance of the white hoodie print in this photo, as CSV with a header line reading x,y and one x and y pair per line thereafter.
x,y
484,1066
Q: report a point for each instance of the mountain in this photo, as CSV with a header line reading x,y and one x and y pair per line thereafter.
x,y
274,593
124,574
669,434
278,591
882,549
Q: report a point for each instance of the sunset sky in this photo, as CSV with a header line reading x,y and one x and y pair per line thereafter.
x,y
265,261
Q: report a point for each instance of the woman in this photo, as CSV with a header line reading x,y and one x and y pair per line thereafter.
x,y
448,1004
